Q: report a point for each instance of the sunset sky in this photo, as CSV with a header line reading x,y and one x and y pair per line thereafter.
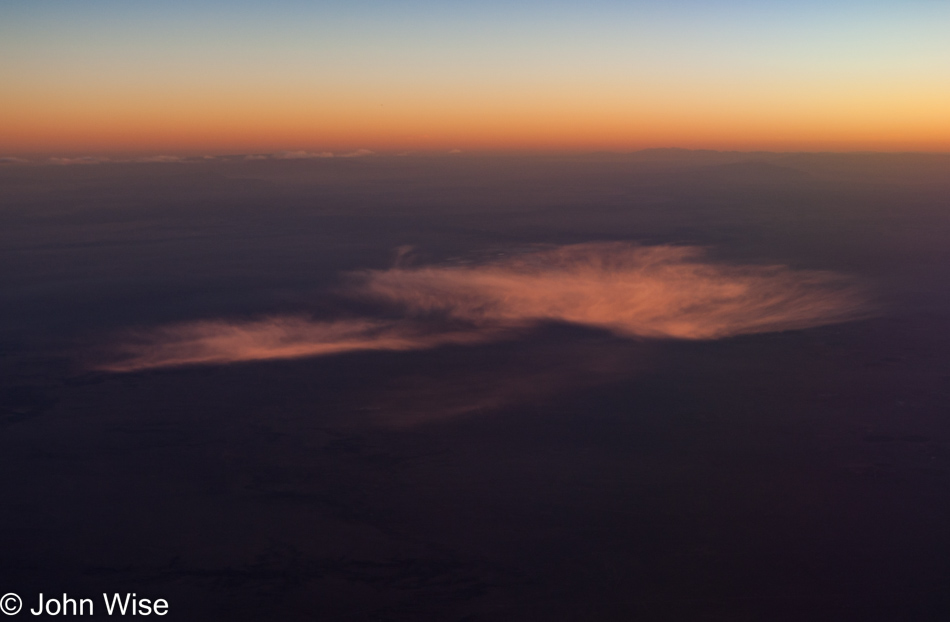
x,y
202,76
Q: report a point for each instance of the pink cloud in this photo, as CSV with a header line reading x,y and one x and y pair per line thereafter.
x,y
659,291
652,292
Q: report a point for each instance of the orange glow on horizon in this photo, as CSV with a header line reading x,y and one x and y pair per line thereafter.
x,y
192,78
211,122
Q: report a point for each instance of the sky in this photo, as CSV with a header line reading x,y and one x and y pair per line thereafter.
x,y
213,77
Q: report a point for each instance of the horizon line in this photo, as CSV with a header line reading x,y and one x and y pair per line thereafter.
x,y
195,156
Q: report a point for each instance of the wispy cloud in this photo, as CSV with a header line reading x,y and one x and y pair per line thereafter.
x,y
359,153
301,155
166,159
217,342
78,160
308,155
652,292
660,291
174,159
532,373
